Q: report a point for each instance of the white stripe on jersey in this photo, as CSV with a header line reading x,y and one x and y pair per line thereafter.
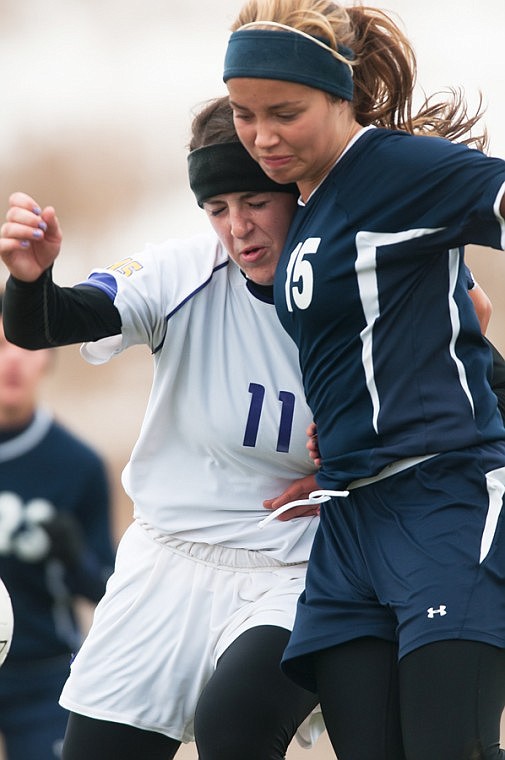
x,y
453,264
366,272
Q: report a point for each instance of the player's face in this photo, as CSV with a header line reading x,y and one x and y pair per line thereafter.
x,y
252,227
20,374
295,132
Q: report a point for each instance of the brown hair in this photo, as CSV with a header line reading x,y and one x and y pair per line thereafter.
x,y
213,124
384,68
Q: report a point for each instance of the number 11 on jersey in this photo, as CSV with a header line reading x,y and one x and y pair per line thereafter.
x,y
287,400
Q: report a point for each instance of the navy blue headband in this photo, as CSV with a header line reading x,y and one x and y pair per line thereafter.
x,y
289,56
228,168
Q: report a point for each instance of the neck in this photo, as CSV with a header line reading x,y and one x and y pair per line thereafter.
x,y
15,419
308,186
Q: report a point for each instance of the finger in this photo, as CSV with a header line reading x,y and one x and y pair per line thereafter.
x,y
23,200
16,231
53,229
285,498
10,247
49,215
299,489
291,514
22,215
311,429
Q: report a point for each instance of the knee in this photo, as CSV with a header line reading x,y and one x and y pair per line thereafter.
x,y
228,737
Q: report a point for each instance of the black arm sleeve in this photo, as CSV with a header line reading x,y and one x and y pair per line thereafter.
x,y
498,379
41,314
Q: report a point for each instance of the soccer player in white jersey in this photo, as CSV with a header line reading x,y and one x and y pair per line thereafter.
x,y
401,627
199,609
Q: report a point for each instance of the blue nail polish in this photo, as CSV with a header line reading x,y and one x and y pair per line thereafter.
x,y
43,225
37,210
25,243
37,233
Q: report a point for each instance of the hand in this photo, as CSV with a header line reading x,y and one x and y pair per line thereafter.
x,y
312,444
66,538
300,489
30,238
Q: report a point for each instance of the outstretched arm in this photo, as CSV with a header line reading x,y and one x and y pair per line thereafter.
x,y
37,313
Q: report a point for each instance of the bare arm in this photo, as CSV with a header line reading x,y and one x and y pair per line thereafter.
x,y
483,306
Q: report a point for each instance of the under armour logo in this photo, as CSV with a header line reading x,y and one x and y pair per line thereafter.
x,y
442,610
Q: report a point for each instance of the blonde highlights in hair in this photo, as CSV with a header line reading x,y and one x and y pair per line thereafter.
x,y
384,67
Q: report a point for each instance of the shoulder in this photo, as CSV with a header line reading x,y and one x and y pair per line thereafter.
x,y
203,250
199,254
392,160
152,284
71,447
421,148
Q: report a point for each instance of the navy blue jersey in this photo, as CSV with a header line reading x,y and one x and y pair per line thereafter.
x,y
46,471
373,289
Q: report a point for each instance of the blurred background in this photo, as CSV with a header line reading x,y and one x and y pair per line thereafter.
x,y
96,98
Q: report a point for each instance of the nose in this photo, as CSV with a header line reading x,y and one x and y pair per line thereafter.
x,y
265,136
240,224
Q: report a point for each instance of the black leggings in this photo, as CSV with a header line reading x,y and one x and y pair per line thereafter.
x,y
442,702
249,711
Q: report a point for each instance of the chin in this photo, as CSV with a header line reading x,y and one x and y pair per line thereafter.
x,y
260,275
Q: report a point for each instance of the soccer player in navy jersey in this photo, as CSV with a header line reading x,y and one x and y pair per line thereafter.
x,y
401,627
55,547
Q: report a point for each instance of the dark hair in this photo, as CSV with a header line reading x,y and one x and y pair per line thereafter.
x,y
217,160
213,124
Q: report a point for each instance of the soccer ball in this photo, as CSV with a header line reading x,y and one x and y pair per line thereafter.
x,y
6,622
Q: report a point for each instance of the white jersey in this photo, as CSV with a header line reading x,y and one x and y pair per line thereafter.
x,y
225,423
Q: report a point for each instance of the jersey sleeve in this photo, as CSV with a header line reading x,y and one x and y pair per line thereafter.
x,y
430,183
149,287
463,190
41,314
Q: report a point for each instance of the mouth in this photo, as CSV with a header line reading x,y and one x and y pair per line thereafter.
x,y
252,253
274,162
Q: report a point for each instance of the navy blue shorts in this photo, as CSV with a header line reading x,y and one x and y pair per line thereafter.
x,y
31,720
414,558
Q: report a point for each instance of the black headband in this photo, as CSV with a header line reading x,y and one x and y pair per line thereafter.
x,y
228,168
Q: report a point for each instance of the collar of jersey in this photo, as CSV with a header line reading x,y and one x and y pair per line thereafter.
x,y
263,293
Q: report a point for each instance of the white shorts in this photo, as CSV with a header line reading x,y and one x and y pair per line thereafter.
x,y
170,610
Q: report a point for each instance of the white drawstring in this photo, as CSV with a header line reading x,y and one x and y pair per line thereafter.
x,y
315,497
